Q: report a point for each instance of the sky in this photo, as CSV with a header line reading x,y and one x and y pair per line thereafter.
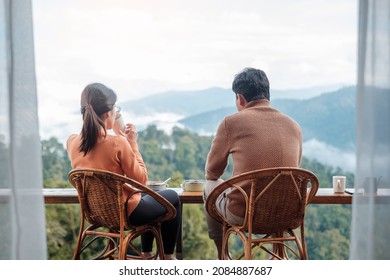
x,y
144,47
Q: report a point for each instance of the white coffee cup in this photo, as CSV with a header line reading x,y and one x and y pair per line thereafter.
x,y
370,185
119,124
339,183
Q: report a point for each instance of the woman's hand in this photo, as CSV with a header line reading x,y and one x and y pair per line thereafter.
x,y
130,133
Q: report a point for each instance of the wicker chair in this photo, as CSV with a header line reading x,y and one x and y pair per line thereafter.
x,y
104,216
275,201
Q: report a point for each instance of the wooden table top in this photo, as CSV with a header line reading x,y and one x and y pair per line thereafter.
x,y
69,196
323,196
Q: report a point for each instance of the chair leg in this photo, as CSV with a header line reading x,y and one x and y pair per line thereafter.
x,y
225,246
247,246
127,243
159,242
76,254
118,246
80,238
280,250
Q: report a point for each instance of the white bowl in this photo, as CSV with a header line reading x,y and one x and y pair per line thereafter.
x,y
193,185
157,185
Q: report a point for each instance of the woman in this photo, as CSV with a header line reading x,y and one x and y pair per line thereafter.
x,y
94,148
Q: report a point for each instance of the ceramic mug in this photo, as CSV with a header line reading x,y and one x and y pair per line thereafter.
x,y
339,183
370,185
193,185
119,124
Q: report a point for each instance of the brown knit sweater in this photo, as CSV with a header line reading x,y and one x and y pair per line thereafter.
x,y
257,137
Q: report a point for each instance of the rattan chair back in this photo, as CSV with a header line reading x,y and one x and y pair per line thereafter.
x,y
273,201
99,195
102,205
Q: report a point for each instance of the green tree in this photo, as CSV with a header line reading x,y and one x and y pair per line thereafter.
x,y
55,160
184,157
62,225
177,180
197,245
151,132
325,173
152,152
327,229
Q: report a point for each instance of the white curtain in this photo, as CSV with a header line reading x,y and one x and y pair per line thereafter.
x,y
22,220
370,235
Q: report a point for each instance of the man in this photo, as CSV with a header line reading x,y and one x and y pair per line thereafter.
x,y
256,137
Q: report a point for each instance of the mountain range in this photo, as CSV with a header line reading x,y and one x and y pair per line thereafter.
x,y
199,101
328,117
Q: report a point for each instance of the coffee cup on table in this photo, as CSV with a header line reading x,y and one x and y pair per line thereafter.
x,y
339,183
370,185
119,124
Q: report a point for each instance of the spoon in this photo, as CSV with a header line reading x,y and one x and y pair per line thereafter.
x,y
166,181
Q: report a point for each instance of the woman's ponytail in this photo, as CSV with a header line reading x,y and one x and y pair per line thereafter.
x,y
96,99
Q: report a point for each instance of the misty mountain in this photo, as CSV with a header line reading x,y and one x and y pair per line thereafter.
x,y
188,103
185,103
329,118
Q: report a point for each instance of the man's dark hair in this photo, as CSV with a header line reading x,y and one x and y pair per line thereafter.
x,y
252,83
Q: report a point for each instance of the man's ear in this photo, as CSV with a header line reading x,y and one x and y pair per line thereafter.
x,y
241,100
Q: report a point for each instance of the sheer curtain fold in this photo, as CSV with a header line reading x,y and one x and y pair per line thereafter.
x,y
21,203
370,237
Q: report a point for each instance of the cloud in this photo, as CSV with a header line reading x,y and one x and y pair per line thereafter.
x,y
327,154
144,47
196,44
164,121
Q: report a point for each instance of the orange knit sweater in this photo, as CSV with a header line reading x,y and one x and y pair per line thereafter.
x,y
115,154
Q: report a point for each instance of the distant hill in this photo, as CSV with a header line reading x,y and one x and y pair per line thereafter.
x,y
187,103
329,118
184,103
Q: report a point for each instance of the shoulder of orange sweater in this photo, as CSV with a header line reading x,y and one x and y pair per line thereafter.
x,y
72,136
121,141
71,139
117,140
